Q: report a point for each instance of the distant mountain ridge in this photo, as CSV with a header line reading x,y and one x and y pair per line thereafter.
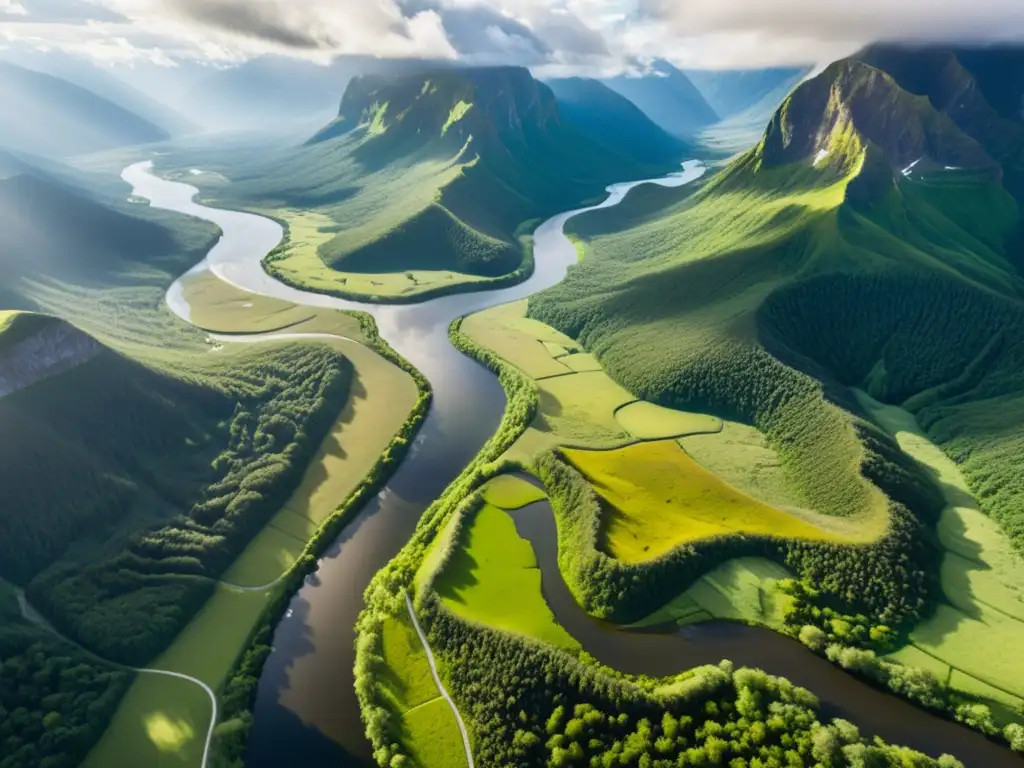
x,y
48,116
667,97
733,92
610,119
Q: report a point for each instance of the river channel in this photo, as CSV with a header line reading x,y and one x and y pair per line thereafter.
x,y
306,712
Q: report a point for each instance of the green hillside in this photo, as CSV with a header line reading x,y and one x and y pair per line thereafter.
x,y
423,184
862,243
668,97
40,109
612,120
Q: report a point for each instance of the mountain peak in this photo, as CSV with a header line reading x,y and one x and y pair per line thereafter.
x,y
852,104
480,102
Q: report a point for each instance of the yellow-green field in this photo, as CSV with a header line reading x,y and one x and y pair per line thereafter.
x,y
428,727
738,590
162,722
511,492
656,498
525,343
493,578
977,633
654,422
738,454
222,308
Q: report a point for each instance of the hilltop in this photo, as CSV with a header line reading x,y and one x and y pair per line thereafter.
x,y
610,119
423,183
40,107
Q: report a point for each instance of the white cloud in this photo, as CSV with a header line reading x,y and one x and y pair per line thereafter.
x,y
12,8
563,36
729,32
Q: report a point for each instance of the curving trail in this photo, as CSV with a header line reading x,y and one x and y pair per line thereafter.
x,y
209,692
437,681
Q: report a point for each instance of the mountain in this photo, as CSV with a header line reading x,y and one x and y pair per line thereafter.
x,y
733,92
865,245
668,97
610,119
105,83
429,177
41,108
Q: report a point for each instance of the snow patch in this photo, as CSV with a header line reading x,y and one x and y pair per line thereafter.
x,y
906,171
196,172
822,154
952,167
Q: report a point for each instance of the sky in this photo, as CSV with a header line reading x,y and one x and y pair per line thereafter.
x,y
554,36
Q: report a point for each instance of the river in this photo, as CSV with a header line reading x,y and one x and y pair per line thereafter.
x,y
306,712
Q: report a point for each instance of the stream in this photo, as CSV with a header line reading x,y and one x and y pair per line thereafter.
x,y
306,711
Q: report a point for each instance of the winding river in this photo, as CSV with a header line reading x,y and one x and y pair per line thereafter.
x,y
306,712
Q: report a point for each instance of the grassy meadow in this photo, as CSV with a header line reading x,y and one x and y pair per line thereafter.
x,y
981,577
427,727
657,498
493,578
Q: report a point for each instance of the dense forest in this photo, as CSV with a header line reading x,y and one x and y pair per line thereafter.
x,y
533,705
132,489
55,700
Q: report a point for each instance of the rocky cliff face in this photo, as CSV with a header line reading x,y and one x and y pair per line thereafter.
x,y
50,348
852,104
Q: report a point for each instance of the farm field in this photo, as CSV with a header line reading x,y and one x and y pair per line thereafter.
x,y
982,578
493,578
657,498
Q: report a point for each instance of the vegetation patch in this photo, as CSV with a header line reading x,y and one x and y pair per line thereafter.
x,y
657,498
743,590
649,421
741,456
493,578
510,492
524,343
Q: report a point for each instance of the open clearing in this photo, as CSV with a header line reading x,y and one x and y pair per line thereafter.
x,y
510,492
429,730
656,498
494,579
655,422
978,633
738,590
739,455
527,344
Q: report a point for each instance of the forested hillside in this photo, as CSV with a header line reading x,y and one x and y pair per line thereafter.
x,y
863,243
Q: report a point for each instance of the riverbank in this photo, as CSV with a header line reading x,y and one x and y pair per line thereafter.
x,y
164,720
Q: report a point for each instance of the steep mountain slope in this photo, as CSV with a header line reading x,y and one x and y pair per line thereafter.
x,y
40,108
612,120
734,92
861,245
105,83
424,183
668,97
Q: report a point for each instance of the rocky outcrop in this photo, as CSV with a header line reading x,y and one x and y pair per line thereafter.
x,y
55,347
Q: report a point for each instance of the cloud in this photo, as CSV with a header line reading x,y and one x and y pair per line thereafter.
x,y
11,8
804,31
